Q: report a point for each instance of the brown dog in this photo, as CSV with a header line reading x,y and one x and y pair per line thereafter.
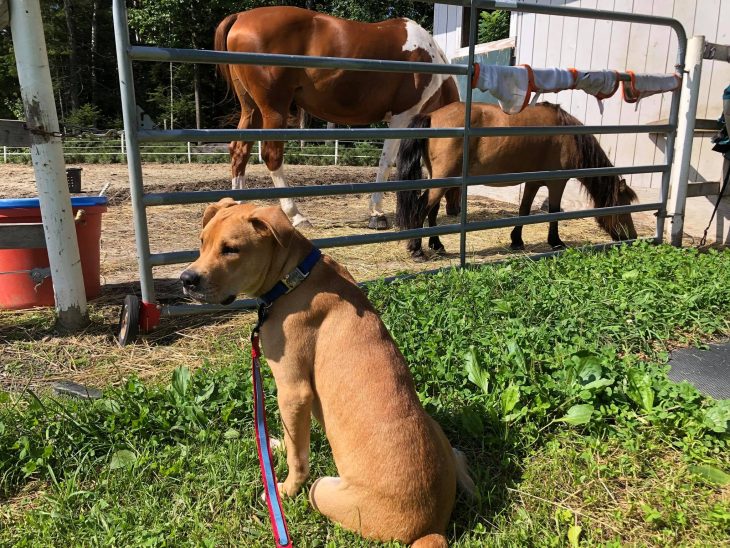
x,y
332,357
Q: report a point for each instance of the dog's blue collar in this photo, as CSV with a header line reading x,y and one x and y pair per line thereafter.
x,y
292,280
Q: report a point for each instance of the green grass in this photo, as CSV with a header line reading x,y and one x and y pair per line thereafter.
x,y
549,375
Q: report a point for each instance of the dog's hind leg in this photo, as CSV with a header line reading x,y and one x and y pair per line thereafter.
x,y
343,504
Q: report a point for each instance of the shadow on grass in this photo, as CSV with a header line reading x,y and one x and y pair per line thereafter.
x,y
494,456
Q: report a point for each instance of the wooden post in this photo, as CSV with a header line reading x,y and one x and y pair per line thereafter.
x,y
677,196
47,155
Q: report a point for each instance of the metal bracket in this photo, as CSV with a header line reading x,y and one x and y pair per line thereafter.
x,y
39,274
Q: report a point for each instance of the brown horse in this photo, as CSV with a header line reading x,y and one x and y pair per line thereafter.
x,y
494,155
266,94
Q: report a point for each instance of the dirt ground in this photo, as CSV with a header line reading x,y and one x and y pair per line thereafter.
x,y
176,228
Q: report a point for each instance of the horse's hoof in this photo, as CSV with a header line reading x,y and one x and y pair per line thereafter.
x,y
378,222
517,247
419,257
301,222
453,211
437,248
558,246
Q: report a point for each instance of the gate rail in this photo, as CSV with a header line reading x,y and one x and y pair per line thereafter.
x,y
126,53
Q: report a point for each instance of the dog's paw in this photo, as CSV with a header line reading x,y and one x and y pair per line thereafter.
x,y
275,444
282,492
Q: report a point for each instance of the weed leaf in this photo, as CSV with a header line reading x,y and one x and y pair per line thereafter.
x,y
711,474
476,374
181,380
574,535
718,416
124,458
510,397
578,414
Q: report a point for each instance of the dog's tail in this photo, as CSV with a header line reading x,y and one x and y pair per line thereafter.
x,y
463,479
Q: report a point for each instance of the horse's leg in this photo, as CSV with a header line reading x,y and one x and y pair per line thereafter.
x,y
240,151
378,220
433,241
528,196
273,155
555,195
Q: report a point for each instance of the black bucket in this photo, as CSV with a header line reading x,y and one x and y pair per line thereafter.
x,y
73,176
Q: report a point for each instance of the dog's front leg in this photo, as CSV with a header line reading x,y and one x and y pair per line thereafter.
x,y
295,405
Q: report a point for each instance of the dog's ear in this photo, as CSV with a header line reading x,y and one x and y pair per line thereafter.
x,y
212,209
273,220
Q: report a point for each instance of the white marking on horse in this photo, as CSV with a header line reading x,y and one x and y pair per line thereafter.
x,y
287,204
238,182
419,38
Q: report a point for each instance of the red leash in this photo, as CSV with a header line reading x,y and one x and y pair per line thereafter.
x,y
273,500
266,463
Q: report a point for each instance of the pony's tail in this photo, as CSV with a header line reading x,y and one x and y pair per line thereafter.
x,y
408,168
219,44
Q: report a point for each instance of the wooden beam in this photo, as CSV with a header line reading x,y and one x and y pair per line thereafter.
x,y
702,125
718,52
13,133
22,236
703,189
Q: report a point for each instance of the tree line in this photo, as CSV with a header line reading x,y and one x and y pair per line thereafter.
x,y
81,49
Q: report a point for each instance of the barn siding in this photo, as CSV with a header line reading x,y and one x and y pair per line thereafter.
x,y
588,44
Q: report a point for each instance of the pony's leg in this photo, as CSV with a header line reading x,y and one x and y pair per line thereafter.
x,y
427,202
240,151
273,156
528,196
453,201
555,195
434,242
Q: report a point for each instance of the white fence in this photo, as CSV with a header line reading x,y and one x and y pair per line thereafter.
x,y
114,150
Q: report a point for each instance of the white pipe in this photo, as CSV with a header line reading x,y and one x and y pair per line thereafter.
x,y
677,196
34,75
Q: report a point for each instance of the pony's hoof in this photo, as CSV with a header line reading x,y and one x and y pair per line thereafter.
x,y
301,222
438,248
419,257
517,247
378,222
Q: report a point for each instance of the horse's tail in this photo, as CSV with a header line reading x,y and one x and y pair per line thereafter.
x,y
220,44
604,191
408,167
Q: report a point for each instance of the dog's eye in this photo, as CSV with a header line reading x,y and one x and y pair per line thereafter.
x,y
228,250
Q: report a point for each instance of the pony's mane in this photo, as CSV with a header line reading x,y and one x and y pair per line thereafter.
x,y
607,190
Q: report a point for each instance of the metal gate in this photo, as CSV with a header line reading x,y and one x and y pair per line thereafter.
x,y
150,311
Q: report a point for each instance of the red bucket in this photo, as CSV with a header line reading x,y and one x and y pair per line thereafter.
x,y
25,279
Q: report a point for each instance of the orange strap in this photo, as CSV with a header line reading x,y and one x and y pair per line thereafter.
x,y
475,75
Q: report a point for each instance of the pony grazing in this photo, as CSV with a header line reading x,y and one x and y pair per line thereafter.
x,y
266,94
493,155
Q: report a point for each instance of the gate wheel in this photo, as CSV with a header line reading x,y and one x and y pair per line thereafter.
x,y
128,321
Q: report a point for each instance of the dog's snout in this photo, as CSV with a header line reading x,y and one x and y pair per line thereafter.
x,y
190,279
